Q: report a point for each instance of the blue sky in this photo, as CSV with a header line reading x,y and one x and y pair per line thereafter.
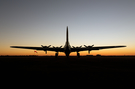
x,y
36,22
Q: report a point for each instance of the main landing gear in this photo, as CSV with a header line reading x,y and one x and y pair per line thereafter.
x,y
78,55
56,55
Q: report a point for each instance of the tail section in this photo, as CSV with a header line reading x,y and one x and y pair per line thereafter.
x,y
67,35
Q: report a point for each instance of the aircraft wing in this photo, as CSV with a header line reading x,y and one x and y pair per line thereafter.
x,y
106,47
94,48
40,48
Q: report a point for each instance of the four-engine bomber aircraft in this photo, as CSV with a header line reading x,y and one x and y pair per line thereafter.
x,y
67,49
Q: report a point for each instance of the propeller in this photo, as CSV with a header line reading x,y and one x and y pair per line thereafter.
x,y
45,47
77,47
73,46
57,48
89,47
60,46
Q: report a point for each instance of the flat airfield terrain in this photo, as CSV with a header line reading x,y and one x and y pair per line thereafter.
x,y
116,71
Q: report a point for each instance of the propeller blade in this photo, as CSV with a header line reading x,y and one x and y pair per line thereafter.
x,y
89,46
73,46
85,46
49,46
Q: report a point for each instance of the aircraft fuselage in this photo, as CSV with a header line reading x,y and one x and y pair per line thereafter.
x,y
67,47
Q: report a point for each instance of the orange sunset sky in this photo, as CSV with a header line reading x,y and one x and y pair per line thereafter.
x,y
44,22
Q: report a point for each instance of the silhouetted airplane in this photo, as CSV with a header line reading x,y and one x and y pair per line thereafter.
x,y
67,49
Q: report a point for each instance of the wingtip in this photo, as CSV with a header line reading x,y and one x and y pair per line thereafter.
x,y
124,46
11,46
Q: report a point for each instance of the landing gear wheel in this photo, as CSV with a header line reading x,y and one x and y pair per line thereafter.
x,y
56,55
78,54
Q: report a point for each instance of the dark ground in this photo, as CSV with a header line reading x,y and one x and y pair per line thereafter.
x,y
95,71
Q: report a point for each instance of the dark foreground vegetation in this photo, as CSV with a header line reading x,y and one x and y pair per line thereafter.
x,y
96,71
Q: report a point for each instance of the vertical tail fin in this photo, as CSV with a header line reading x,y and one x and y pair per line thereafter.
x,y
67,35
